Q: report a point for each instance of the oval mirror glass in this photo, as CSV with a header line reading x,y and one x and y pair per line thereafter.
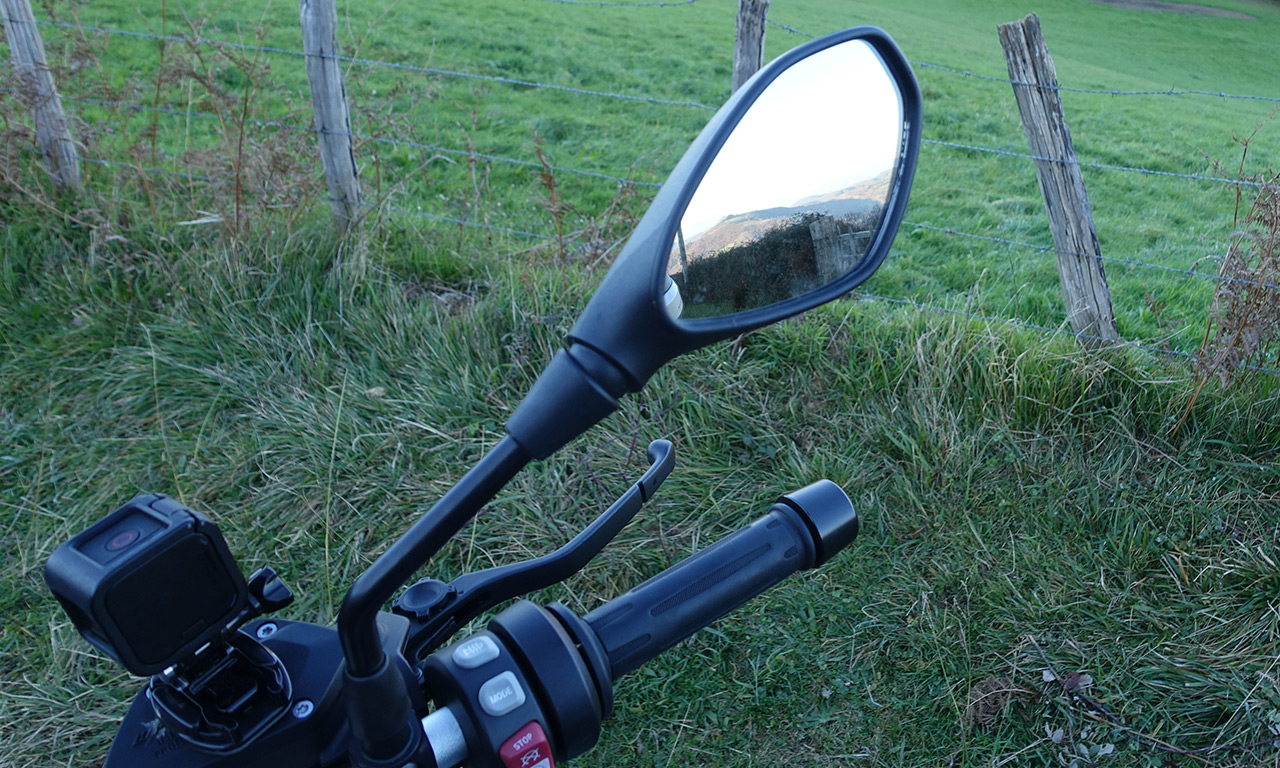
x,y
793,199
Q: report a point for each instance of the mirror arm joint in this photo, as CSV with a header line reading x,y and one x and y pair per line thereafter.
x,y
575,392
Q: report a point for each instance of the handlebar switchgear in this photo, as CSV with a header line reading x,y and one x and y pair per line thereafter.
x,y
533,688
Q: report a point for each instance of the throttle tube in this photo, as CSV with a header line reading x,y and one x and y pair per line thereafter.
x,y
802,530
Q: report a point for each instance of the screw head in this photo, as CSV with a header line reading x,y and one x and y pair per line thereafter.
x,y
303,709
266,630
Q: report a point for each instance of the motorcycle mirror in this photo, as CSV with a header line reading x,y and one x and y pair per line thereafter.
x,y
789,198
793,199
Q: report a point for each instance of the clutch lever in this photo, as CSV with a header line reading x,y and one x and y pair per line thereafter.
x,y
437,610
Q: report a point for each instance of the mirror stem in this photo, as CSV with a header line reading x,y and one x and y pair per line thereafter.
x,y
577,390
567,399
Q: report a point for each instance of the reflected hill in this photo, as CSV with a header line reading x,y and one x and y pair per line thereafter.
x,y
857,201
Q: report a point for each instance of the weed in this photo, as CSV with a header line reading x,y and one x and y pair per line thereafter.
x,y
554,202
1243,325
1244,321
599,237
990,699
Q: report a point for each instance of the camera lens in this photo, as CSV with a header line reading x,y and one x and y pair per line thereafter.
x,y
122,539
134,526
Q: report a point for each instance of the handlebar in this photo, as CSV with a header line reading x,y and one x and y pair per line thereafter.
x,y
548,673
530,690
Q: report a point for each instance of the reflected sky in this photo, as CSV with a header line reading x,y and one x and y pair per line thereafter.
x,y
825,124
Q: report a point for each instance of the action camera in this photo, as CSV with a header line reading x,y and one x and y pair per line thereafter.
x,y
149,584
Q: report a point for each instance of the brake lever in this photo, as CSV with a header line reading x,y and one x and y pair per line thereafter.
x,y
437,610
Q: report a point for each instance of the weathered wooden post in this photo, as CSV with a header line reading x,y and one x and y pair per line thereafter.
x,y
1080,272
37,90
748,46
329,101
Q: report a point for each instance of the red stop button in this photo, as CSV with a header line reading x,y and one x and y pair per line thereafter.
x,y
528,748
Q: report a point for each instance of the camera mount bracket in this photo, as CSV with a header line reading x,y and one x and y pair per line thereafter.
x,y
232,689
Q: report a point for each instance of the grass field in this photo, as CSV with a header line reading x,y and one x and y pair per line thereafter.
x,y
1026,506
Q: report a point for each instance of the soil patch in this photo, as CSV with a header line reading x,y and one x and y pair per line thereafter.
x,y
1154,5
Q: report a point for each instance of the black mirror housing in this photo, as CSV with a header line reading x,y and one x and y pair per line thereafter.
x,y
626,321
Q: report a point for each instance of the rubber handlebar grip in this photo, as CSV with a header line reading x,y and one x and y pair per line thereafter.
x,y
637,626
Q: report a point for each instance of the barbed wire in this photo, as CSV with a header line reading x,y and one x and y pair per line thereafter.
x,y
648,99
1097,91
1052,331
792,30
451,220
157,171
1004,321
151,170
1097,166
1115,259
610,177
361,137
388,209
610,94
622,180
916,225
483,156
373,63
1061,88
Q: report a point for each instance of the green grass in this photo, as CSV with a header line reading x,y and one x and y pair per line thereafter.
x,y
1019,497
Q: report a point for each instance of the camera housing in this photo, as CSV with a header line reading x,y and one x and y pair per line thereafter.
x,y
149,584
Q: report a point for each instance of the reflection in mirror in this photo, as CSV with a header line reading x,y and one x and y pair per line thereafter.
x,y
793,199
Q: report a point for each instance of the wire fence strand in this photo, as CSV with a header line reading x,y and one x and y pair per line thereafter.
x,y
404,143
610,177
452,220
376,63
1113,259
1063,332
1172,91
153,171
1097,91
913,224
1096,166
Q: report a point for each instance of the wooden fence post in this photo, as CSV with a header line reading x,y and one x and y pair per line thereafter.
x,y
37,90
329,101
1035,85
748,46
